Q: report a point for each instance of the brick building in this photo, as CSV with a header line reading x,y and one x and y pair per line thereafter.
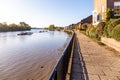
x,y
101,5
87,20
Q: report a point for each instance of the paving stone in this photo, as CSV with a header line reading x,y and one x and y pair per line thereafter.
x,y
115,69
95,71
93,77
102,68
118,77
109,78
98,63
87,59
111,73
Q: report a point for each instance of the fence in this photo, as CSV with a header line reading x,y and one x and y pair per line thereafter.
x,y
60,70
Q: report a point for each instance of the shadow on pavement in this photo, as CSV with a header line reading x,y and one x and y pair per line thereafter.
x,y
79,71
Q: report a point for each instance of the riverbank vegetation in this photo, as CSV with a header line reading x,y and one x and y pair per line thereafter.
x,y
52,27
4,27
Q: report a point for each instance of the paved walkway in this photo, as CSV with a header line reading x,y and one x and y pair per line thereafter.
x,y
94,62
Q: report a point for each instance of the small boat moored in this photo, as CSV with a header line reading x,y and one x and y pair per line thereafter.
x,y
42,31
25,33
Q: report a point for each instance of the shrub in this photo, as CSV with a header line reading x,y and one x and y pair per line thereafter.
x,y
112,25
84,27
105,32
88,29
109,14
116,33
100,29
109,27
91,32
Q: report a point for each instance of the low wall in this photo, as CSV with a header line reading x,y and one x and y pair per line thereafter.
x,y
111,42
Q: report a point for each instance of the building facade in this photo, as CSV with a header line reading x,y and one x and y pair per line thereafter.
x,y
101,5
87,20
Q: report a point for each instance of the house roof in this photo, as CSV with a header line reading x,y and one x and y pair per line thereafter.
x,y
87,20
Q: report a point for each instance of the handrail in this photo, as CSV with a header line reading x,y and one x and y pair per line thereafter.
x,y
60,70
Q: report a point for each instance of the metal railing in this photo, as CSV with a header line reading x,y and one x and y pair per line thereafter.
x,y
60,70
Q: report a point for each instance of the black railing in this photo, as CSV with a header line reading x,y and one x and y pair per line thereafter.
x,y
60,70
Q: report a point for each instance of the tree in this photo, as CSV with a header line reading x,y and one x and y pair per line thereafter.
x,y
109,13
24,26
14,27
52,27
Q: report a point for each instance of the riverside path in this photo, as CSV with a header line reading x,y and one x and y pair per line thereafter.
x,y
94,62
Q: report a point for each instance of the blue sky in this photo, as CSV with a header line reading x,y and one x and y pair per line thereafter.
x,y
42,13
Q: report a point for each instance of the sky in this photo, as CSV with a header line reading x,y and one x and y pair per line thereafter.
x,y
42,13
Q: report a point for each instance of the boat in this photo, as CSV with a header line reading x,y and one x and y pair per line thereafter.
x,y
25,33
42,31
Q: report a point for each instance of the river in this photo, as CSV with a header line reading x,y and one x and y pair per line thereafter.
x,y
30,57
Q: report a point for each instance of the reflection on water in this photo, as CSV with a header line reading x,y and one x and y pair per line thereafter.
x,y
30,56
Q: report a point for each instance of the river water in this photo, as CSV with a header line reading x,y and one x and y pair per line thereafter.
x,y
30,57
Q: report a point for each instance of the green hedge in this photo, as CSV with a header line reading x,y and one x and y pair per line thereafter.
x,y
109,27
116,33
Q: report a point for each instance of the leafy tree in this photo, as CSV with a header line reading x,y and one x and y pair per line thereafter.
x,y
52,27
14,27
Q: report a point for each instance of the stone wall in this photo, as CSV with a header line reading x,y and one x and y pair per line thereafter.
x,y
111,42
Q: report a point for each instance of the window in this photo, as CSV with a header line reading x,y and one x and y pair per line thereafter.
x,y
117,8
